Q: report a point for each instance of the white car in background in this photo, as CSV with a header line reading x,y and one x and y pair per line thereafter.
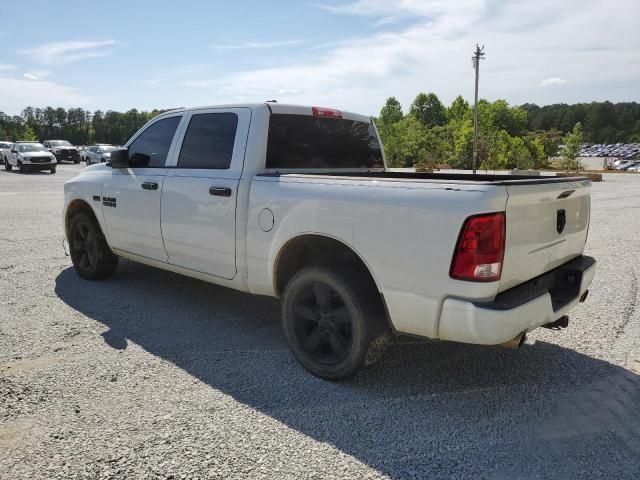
x,y
99,153
28,156
5,147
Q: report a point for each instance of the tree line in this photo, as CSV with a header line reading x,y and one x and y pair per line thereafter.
x,y
79,126
428,133
524,137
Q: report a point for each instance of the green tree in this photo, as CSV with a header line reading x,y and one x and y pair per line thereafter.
x,y
536,149
571,147
550,140
28,135
458,110
519,155
408,142
391,112
428,109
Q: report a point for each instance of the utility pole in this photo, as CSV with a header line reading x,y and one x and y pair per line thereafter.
x,y
477,56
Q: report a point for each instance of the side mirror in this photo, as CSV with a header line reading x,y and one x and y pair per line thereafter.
x,y
120,158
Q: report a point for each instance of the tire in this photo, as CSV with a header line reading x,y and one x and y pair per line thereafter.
x,y
7,166
22,168
53,170
90,254
328,323
76,161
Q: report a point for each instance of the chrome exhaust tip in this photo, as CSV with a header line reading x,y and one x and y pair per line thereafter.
x,y
516,342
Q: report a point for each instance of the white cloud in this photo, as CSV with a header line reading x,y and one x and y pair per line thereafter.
x,y
254,45
7,66
16,93
523,41
552,81
67,52
36,74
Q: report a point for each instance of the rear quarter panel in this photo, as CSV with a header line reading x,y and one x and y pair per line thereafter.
x,y
405,232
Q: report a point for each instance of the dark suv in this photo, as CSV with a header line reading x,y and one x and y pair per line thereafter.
x,y
63,150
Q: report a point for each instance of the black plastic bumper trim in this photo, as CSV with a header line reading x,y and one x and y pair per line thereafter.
x,y
562,283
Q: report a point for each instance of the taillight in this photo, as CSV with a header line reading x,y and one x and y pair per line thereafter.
x,y
326,112
480,249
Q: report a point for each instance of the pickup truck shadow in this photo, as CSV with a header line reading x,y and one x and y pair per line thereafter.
x,y
427,409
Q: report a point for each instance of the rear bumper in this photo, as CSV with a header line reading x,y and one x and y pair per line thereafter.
x,y
541,300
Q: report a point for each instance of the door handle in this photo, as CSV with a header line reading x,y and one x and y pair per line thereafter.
x,y
220,191
150,185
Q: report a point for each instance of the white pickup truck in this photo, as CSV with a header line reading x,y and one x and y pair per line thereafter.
x,y
297,203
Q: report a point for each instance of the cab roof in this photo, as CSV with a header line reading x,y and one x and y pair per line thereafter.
x,y
279,108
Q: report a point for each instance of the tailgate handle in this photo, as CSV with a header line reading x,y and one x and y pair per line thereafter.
x,y
565,194
150,185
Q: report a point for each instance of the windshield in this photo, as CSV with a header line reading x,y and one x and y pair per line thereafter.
x,y
107,148
5,145
30,147
60,143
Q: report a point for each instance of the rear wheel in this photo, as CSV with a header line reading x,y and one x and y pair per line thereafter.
x,y
90,254
327,323
7,166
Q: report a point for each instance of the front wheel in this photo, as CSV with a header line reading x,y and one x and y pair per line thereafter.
x,y
326,323
7,166
90,254
22,168
53,169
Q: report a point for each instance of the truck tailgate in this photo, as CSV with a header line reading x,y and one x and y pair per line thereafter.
x,y
546,226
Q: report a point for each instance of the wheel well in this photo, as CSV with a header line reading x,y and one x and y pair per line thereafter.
x,y
74,207
317,250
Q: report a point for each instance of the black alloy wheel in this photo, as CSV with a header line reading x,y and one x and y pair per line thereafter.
x,y
328,321
90,253
84,249
324,324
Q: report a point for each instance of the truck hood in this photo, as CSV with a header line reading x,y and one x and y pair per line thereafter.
x,y
96,167
41,153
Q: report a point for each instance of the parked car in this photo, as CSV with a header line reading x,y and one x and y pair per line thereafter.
x,y
98,153
626,164
297,203
5,147
29,156
634,168
63,150
618,162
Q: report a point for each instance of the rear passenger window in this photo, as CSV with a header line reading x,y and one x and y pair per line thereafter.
x,y
209,141
151,147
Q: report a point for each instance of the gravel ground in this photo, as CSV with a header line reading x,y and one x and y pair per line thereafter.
x,y
153,375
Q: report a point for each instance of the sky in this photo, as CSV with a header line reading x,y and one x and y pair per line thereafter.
x,y
349,54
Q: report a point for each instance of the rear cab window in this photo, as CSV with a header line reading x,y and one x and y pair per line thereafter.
x,y
309,142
